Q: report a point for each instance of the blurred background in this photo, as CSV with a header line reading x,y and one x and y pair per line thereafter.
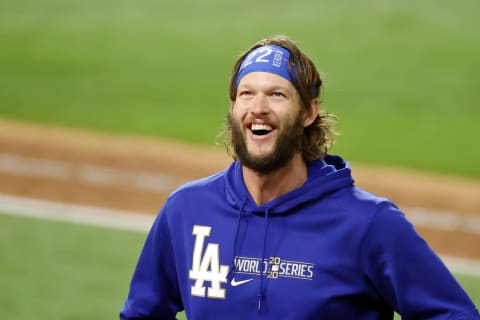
x,y
107,106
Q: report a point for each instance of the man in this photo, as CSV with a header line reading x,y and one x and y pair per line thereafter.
x,y
283,233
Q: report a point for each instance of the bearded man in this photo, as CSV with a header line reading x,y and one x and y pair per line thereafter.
x,y
283,232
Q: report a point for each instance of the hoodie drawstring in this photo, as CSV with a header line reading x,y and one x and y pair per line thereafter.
x,y
261,292
240,214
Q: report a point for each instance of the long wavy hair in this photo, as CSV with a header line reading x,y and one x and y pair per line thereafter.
x,y
318,137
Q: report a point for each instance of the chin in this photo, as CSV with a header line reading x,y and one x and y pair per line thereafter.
x,y
260,156
260,149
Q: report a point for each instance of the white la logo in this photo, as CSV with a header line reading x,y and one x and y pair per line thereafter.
x,y
207,268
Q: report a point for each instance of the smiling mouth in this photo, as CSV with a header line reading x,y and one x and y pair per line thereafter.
x,y
260,129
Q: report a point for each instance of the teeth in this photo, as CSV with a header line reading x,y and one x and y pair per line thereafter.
x,y
256,126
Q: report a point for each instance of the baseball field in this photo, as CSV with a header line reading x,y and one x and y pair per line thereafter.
x,y
107,106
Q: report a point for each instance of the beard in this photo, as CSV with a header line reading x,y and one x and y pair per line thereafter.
x,y
289,142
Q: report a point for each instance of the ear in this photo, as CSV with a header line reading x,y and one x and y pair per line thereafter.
x,y
311,114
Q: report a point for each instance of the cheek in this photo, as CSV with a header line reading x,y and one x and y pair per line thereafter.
x,y
238,112
235,120
286,112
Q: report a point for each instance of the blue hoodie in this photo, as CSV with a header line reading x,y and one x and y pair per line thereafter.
x,y
327,250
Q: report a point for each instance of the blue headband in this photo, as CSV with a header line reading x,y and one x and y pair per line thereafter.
x,y
271,58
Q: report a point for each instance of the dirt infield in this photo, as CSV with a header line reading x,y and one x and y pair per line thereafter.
x,y
133,173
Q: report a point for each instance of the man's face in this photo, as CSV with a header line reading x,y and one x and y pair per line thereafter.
x,y
266,122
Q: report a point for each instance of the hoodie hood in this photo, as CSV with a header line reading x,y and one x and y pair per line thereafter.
x,y
324,177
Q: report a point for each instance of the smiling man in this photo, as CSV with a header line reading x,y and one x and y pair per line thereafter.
x,y
283,232
266,122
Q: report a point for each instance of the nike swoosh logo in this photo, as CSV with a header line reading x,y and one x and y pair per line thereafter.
x,y
235,283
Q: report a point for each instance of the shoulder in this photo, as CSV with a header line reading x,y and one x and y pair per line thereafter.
x,y
198,192
201,184
383,222
361,203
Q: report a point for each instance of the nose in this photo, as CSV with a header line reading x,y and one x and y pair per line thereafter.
x,y
260,105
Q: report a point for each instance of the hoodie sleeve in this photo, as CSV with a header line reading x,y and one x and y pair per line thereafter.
x,y
407,274
154,292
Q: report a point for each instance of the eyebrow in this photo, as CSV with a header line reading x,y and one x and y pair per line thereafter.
x,y
274,87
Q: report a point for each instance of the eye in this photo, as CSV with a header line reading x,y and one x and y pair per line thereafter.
x,y
245,93
278,94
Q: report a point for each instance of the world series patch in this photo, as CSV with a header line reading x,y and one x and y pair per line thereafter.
x,y
274,267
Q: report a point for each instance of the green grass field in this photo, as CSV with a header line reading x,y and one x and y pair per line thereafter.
x,y
401,76
59,271
53,270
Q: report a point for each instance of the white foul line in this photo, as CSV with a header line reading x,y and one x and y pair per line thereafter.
x,y
161,183
438,220
41,209
87,173
138,221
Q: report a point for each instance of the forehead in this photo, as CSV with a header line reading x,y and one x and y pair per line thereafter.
x,y
265,80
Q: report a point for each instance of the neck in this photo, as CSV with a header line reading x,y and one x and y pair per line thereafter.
x,y
265,188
